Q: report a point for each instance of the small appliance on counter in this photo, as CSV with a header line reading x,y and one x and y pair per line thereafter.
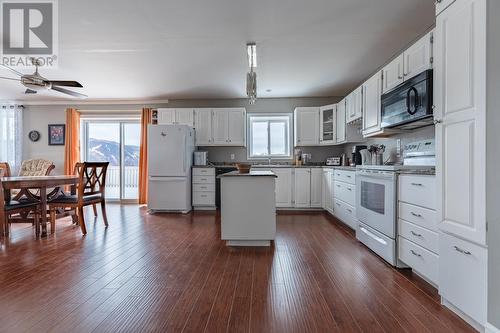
x,y
200,157
306,158
333,161
356,154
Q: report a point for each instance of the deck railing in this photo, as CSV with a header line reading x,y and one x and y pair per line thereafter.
x,y
130,177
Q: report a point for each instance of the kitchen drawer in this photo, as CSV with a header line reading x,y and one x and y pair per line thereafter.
x,y
418,190
203,198
345,176
418,215
203,180
382,245
463,275
424,237
421,260
346,213
345,192
203,187
203,171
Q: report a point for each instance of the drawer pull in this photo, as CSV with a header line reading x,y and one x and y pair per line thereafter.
x,y
349,189
203,187
349,210
337,204
203,195
203,179
338,185
415,253
415,234
416,184
349,176
415,214
462,251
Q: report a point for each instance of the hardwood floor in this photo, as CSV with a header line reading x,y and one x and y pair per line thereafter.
x,y
171,273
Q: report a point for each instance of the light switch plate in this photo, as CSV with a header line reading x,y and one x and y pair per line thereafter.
x,y
232,157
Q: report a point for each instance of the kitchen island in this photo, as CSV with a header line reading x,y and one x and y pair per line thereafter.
x,y
248,208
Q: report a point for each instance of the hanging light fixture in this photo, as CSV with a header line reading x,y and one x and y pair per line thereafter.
x,y
252,76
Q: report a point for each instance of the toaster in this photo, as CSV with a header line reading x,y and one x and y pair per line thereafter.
x,y
333,161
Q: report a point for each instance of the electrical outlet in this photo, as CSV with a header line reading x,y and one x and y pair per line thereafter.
x,y
398,148
232,157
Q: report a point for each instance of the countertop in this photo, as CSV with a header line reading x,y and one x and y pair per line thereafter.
x,y
252,173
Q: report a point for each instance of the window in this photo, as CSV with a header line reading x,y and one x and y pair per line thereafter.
x,y
115,141
11,132
269,136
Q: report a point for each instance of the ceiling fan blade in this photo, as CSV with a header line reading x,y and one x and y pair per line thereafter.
x,y
66,84
9,78
69,92
29,91
12,70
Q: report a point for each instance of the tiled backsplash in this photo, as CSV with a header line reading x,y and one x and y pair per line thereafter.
x,y
320,154
391,142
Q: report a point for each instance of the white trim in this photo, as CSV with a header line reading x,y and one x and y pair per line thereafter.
x,y
289,133
87,102
489,328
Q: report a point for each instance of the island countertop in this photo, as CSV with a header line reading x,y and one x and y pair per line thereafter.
x,y
252,173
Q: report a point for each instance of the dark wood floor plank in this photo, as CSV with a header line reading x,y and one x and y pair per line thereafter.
x,y
172,273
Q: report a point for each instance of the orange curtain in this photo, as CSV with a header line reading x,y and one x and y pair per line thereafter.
x,y
143,157
72,145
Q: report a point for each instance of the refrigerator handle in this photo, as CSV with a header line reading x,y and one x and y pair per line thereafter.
x,y
185,155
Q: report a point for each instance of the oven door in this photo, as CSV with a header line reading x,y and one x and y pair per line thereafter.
x,y
376,200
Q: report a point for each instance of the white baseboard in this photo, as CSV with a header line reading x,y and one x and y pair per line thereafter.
x,y
477,326
489,328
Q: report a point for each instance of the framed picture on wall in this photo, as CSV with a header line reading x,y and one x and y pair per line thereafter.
x,y
57,134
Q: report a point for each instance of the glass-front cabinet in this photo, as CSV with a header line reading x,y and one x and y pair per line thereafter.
x,y
327,124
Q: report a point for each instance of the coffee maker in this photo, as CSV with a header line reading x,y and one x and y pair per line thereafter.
x,y
356,156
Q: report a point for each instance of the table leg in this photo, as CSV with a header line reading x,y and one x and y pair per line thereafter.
x,y
43,206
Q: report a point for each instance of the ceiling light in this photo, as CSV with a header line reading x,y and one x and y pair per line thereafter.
x,y
251,75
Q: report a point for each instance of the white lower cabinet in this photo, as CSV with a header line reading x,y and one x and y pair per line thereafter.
x,y
344,193
316,187
463,276
302,189
327,190
284,189
203,188
418,239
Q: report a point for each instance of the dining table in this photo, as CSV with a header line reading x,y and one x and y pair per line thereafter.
x,y
41,184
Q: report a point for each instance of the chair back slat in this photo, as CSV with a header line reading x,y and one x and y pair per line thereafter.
x,y
92,178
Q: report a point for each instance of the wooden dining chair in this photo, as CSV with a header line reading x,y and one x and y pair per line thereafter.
x,y
90,190
9,207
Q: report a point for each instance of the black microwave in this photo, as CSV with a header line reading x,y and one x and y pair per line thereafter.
x,y
409,105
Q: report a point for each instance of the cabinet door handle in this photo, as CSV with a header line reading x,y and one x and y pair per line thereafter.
x,y
348,176
349,210
349,189
416,184
415,253
462,250
338,185
415,234
337,204
415,214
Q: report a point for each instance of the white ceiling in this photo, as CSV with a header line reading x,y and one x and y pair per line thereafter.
x,y
165,49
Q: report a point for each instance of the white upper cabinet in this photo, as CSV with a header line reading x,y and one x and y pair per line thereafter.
x,y
417,58
166,116
220,127
393,74
203,127
236,126
354,105
341,110
327,126
316,187
228,126
460,109
306,126
302,190
372,91
442,4
183,116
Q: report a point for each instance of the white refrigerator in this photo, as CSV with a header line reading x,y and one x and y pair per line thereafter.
x,y
170,156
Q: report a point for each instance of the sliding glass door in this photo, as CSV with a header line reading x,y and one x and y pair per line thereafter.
x,y
116,142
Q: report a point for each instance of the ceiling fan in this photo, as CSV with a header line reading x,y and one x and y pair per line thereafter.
x,y
35,82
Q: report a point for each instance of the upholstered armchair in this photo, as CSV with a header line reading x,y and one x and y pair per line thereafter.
x,y
36,167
